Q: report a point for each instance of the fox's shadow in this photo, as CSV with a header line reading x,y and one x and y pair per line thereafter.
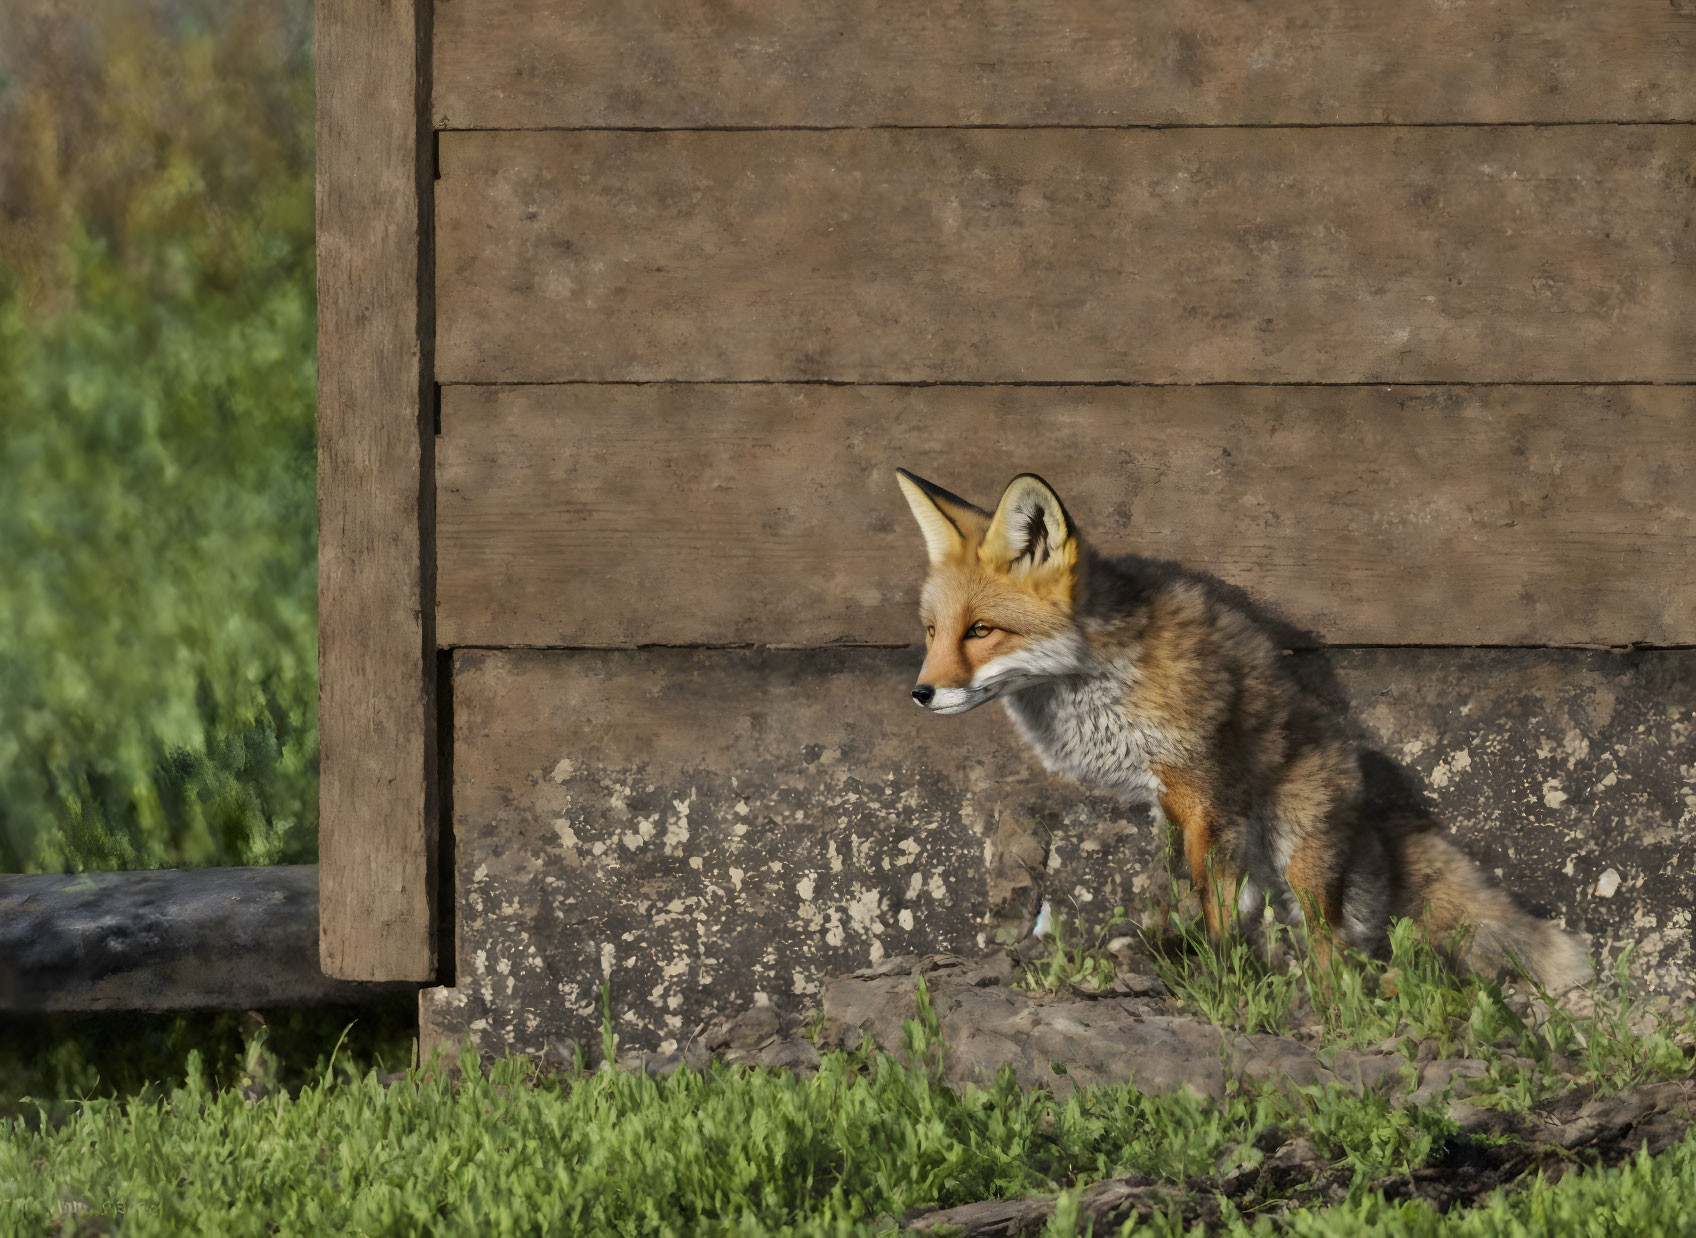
x,y
1393,799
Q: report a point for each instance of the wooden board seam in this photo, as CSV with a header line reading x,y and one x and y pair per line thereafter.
x,y
1042,382
710,647
1361,124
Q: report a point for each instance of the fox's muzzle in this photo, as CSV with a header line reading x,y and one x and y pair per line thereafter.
x,y
949,700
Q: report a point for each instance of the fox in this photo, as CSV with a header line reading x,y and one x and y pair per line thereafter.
x,y
1146,683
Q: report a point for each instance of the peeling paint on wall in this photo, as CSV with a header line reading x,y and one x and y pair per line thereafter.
x,y
700,827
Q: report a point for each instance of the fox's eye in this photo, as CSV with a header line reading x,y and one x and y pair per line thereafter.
x,y
930,631
980,628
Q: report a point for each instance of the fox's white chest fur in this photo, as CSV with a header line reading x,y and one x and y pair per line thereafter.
x,y
1083,726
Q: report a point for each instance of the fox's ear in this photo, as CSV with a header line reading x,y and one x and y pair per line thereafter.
x,y
1030,532
949,523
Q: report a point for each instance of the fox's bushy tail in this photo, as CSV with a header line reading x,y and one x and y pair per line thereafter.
x,y
1454,891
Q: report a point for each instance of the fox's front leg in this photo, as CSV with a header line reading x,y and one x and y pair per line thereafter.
x,y
1315,880
1188,804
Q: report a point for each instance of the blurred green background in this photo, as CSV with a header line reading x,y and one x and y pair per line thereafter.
x,y
158,692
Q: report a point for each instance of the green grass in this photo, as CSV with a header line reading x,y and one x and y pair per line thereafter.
x,y
503,1150
747,1152
727,1152
158,698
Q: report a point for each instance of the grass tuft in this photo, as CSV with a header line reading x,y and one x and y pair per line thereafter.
x,y
1608,1036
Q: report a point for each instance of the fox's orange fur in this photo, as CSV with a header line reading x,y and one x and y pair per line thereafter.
x,y
1146,683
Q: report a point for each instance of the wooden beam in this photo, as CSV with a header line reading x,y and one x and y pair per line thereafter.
x,y
1333,255
532,64
679,513
199,939
375,432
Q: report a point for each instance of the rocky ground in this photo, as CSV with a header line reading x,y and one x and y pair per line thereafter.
x,y
1132,1030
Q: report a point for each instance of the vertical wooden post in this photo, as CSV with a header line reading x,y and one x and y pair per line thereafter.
x,y
376,650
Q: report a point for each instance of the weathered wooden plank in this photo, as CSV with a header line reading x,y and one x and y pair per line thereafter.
x,y
200,939
617,515
523,64
703,826
1174,256
375,417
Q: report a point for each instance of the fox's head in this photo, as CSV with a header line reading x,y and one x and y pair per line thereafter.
x,y
998,604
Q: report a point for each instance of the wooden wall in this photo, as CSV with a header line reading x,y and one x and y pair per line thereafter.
x,y
1378,311
1389,328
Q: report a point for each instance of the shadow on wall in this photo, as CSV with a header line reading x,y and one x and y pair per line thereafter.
x,y
1394,798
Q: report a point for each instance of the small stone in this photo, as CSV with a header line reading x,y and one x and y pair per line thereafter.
x,y
560,1053
796,1055
1455,1077
662,1064
1297,1160
747,1030
1474,1119
1032,948
1643,1023
1580,1003
993,969
1607,883
1137,984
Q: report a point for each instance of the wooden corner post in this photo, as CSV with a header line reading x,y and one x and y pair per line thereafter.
x,y
376,593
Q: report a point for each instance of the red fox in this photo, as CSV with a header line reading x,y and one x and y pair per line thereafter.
x,y
1150,686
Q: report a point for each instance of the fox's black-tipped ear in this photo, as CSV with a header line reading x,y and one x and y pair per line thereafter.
x,y
949,523
1030,531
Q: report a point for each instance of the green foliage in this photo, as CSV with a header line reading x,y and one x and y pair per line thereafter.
x,y
157,526
872,1135
729,1151
327,1148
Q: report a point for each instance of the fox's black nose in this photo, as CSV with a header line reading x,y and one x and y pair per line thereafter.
x,y
923,693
